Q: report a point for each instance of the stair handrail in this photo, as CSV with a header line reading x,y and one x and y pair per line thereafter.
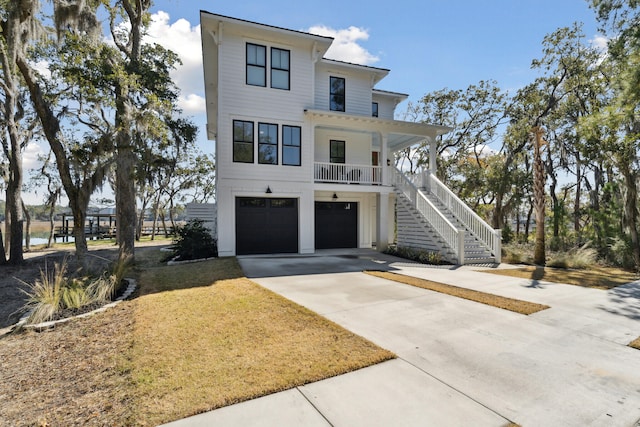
x,y
452,236
487,235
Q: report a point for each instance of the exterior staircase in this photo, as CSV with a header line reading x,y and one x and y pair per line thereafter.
x,y
432,218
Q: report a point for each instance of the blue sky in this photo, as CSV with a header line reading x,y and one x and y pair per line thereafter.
x,y
427,45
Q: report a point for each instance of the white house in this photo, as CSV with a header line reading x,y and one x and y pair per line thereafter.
x,y
305,148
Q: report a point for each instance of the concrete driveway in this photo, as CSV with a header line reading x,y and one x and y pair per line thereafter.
x,y
459,362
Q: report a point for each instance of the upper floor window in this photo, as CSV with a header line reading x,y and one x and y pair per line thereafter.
x,y
242,141
374,109
256,65
336,151
291,143
337,93
267,143
280,63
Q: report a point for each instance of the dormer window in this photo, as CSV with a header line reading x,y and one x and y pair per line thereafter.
x,y
256,65
337,94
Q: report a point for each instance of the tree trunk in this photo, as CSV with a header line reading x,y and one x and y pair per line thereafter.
x,y
526,226
539,255
156,207
27,228
78,199
141,219
576,202
52,209
125,199
557,215
631,212
14,201
3,256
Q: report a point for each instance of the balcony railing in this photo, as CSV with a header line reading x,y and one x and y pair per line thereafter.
x,y
343,173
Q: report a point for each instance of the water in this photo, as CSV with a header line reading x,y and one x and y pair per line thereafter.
x,y
43,241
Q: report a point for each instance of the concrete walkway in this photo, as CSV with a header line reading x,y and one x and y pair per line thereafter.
x,y
459,362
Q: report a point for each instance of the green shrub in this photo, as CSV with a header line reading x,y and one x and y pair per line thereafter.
x,y
620,253
415,254
194,241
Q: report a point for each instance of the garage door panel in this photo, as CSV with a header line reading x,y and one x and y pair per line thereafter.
x,y
265,225
336,225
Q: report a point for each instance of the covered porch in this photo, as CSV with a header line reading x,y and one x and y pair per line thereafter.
x,y
369,144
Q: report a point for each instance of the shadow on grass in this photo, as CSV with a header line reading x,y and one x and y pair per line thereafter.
x,y
154,276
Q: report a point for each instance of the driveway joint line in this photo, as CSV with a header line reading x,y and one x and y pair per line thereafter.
x,y
314,406
455,388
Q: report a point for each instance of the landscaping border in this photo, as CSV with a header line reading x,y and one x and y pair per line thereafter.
x,y
131,287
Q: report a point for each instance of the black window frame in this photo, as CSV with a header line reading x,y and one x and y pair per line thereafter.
x,y
273,143
337,95
279,68
252,63
375,109
243,140
289,146
335,147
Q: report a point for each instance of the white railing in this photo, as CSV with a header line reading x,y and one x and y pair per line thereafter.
x,y
347,173
453,237
490,238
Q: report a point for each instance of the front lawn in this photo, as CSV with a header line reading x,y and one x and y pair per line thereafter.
x,y
196,337
594,277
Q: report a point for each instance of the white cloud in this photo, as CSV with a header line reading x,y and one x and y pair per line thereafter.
x,y
192,103
600,42
42,67
183,39
30,155
346,45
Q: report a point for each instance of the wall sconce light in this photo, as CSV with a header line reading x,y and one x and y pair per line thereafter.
x,y
335,196
268,190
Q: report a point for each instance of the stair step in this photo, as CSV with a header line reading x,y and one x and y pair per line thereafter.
x,y
474,251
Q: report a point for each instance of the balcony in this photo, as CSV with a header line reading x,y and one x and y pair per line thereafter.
x,y
342,173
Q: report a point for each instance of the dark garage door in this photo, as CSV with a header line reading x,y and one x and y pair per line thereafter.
x,y
266,226
336,225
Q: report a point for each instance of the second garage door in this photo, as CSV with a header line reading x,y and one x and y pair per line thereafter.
x,y
266,226
336,225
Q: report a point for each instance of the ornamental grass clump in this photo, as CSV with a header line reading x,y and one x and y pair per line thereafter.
x,y
55,292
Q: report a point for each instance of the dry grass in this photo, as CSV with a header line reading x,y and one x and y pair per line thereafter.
x,y
594,277
518,306
223,339
197,337
69,376
635,343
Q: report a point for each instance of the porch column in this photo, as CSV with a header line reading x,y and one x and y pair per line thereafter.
x,y
384,140
382,221
433,167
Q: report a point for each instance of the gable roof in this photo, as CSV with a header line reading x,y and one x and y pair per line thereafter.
x,y
323,41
